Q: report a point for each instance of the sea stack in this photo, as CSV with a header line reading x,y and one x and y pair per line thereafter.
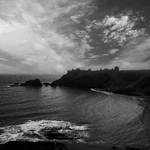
x,y
32,83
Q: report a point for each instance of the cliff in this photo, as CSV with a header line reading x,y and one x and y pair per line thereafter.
x,y
123,82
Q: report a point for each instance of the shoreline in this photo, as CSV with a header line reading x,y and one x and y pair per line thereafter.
x,y
131,83
118,93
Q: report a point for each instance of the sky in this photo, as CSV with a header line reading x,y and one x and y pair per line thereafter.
x,y
53,36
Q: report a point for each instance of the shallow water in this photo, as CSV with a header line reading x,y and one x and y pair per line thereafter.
x,y
103,117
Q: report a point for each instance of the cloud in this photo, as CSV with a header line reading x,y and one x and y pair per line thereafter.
x,y
52,36
76,18
32,32
113,51
3,59
120,29
135,56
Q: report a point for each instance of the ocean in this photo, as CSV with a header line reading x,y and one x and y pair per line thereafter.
x,y
84,116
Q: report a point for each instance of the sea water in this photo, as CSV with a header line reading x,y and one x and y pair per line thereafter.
x,y
86,116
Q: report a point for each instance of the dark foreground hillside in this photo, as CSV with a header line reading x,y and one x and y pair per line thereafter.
x,y
123,82
20,145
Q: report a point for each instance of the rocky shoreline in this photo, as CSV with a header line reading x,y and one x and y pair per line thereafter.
x,y
31,83
133,83
22,145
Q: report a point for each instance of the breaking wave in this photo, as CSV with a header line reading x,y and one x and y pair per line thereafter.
x,y
44,130
100,91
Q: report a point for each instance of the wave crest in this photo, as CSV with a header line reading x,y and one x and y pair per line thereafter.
x,y
43,130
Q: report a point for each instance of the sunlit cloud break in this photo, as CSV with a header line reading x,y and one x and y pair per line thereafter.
x,y
53,36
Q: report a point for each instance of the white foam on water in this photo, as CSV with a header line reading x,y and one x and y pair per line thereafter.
x,y
99,91
35,131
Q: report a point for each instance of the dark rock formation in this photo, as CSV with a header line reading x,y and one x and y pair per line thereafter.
x,y
32,83
132,148
139,88
59,136
122,82
14,84
21,145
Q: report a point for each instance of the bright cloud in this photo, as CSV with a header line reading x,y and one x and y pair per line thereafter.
x,y
52,36
113,51
135,56
30,32
120,29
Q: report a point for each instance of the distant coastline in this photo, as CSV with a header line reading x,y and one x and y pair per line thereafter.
x,y
127,82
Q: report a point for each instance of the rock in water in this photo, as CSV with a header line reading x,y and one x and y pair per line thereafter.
x,y
14,84
32,83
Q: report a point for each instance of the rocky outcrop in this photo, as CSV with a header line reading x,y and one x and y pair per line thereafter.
x,y
139,88
14,84
22,145
29,83
122,82
32,83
